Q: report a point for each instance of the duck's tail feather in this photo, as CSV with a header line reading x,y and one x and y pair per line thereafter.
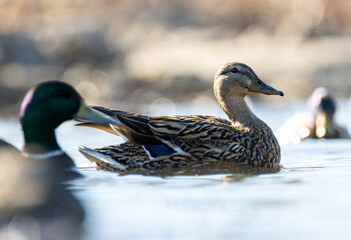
x,y
101,161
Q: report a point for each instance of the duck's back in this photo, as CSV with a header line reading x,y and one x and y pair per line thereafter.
x,y
192,140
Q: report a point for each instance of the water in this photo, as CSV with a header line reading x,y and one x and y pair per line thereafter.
x,y
310,198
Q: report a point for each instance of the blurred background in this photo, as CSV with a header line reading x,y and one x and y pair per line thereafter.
x,y
121,53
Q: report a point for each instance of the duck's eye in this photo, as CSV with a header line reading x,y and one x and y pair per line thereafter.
x,y
61,94
259,82
234,70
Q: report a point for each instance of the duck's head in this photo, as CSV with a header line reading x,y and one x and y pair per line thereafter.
x,y
238,79
55,102
49,104
322,100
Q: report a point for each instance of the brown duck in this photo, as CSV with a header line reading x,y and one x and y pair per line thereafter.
x,y
178,142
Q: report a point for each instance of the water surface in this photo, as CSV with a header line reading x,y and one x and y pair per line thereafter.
x,y
309,198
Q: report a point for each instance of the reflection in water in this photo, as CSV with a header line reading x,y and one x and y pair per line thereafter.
x,y
33,205
231,171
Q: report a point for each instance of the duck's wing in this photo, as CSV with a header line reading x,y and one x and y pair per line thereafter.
x,y
163,136
147,130
133,127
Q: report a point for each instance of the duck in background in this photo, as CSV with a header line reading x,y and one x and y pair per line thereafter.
x,y
189,142
43,109
33,204
318,123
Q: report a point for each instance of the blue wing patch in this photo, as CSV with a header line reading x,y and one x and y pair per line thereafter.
x,y
158,150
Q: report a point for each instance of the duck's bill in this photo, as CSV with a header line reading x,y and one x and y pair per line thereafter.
x,y
88,116
259,86
102,127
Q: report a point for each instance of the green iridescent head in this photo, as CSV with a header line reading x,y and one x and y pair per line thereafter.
x,y
45,107
52,102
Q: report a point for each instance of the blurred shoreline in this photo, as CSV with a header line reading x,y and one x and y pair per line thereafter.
x,y
126,53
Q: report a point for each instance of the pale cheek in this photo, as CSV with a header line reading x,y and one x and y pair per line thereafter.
x,y
238,90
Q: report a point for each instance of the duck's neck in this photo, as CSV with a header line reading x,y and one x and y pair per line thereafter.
x,y
325,126
39,136
238,111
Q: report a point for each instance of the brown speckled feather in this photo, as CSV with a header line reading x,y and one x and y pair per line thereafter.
x,y
202,139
